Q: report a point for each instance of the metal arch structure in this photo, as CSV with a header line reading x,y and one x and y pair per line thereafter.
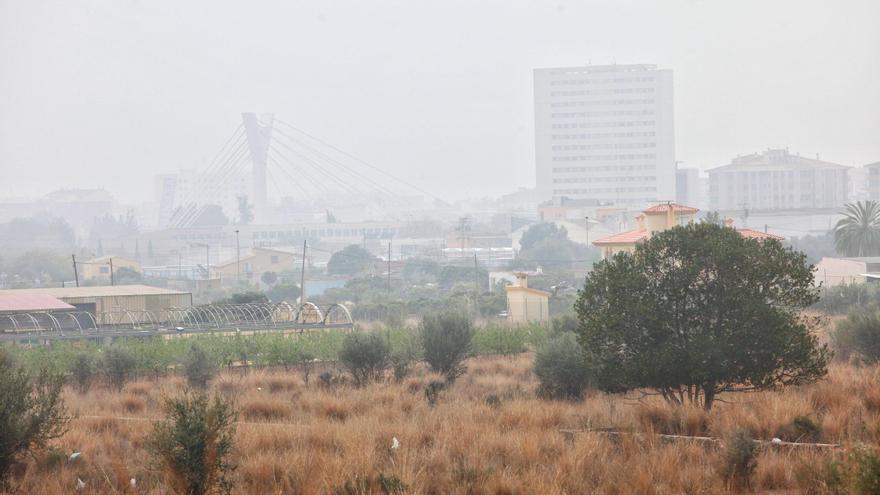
x,y
89,316
14,323
286,309
308,313
55,322
121,322
336,311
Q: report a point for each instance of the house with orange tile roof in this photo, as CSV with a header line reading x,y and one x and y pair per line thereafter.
x,y
657,219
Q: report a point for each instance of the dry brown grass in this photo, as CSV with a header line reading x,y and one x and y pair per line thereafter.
x,y
294,438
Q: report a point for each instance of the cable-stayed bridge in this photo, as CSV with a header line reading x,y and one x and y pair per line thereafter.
x,y
265,156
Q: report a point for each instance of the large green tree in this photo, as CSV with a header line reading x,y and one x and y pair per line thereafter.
x,y
858,232
698,310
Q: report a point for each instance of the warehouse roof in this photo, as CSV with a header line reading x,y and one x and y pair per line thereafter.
x,y
96,291
31,302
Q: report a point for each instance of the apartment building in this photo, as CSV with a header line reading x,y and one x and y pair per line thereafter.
x,y
778,180
605,133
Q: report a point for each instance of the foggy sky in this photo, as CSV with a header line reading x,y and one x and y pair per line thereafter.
x,y
107,93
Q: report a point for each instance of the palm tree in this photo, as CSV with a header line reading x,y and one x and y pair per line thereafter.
x,y
858,232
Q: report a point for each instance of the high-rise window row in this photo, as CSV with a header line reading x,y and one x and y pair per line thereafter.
x,y
616,154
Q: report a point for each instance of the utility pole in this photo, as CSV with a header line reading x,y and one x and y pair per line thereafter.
x,y
179,266
587,228
112,281
476,285
237,259
302,277
389,266
75,274
208,261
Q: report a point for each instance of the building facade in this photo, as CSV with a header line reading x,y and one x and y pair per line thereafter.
x,y
688,187
605,133
101,267
525,304
873,181
659,218
251,267
116,304
777,180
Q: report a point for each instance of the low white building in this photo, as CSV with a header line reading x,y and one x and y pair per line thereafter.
x,y
830,272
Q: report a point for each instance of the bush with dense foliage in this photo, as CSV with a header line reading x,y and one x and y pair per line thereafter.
x,y
32,412
81,371
366,356
194,443
198,367
859,334
118,364
560,368
446,342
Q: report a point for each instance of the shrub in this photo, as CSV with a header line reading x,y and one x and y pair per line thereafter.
x,y
307,364
446,342
563,324
739,458
366,356
118,365
328,380
380,484
859,334
194,443
198,367
864,471
560,367
432,391
82,370
800,429
404,355
31,412
825,478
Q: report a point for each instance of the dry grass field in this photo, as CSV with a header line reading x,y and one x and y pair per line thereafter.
x,y
487,434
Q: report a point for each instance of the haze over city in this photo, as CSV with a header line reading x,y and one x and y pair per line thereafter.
x,y
107,94
460,247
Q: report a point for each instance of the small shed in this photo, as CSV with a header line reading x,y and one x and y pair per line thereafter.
x,y
525,304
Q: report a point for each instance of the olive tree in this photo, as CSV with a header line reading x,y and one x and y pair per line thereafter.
x,y
32,412
446,342
698,310
366,356
194,444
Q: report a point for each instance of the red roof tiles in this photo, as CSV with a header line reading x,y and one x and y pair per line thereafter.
x,y
630,237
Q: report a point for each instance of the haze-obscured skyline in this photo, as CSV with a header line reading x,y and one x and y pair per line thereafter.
x,y
107,94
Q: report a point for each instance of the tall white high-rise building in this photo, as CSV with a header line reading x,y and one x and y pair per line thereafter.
x,y
605,133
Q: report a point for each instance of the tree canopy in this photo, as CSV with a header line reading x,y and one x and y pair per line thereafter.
x,y
547,245
36,233
541,232
698,310
352,260
858,232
